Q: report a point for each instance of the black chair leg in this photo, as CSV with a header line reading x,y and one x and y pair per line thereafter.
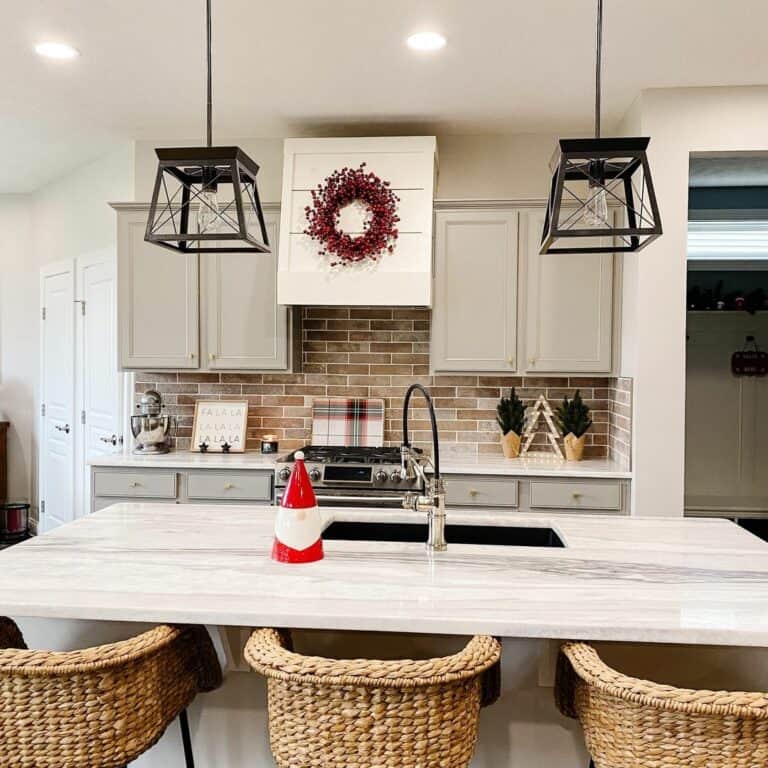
x,y
189,758
591,764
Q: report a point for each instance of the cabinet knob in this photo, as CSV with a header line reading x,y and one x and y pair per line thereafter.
x,y
511,360
473,491
191,355
135,484
211,356
576,495
531,361
228,486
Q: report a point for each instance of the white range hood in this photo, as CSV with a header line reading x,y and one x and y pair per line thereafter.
x,y
400,278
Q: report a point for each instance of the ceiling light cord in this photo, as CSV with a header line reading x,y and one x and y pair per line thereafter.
x,y
598,65
209,101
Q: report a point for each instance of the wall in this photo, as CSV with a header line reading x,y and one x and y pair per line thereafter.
x,y
680,121
72,216
18,340
65,219
489,167
377,352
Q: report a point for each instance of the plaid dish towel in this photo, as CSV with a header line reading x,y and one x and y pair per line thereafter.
x,y
347,421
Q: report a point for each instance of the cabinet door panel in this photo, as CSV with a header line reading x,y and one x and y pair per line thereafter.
x,y
157,300
245,327
569,310
474,324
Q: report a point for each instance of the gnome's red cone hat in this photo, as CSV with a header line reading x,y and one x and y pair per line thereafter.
x,y
298,526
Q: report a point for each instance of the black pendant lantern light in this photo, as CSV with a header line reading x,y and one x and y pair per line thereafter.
x,y
592,178
205,199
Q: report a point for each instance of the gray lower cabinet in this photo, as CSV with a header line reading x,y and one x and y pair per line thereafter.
x,y
110,485
538,494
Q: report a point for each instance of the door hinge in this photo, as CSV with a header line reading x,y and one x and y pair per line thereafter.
x,y
43,313
82,417
42,508
81,302
42,409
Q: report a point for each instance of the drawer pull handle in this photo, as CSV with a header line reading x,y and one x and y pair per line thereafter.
x,y
228,486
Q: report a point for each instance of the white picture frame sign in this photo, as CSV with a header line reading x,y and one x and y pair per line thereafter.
x,y
218,422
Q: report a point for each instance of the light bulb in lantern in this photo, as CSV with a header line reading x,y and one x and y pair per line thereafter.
x,y
208,211
595,214
596,210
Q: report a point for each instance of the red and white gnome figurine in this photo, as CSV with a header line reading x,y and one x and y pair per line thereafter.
x,y
298,527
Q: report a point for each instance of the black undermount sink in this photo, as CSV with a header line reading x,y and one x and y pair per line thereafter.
x,y
504,536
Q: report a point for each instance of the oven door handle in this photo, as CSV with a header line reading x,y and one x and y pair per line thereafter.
x,y
397,500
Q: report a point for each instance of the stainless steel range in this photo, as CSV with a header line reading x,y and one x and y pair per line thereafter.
x,y
354,476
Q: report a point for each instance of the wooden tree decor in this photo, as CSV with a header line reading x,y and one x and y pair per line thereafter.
x,y
541,410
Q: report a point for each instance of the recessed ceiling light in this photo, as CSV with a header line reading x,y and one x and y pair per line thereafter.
x,y
56,50
426,41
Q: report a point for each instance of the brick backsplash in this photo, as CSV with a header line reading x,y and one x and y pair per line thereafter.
x,y
620,421
378,352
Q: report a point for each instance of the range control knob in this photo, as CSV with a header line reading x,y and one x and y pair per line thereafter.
x,y
396,477
381,476
314,474
284,473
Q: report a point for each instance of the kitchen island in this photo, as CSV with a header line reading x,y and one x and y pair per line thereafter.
x,y
641,580
696,582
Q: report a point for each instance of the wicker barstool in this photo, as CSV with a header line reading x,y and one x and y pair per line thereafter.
x,y
359,713
100,707
631,723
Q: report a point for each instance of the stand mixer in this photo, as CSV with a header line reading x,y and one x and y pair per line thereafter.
x,y
150,427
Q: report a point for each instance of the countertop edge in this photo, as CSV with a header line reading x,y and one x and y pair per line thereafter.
x,y
492,467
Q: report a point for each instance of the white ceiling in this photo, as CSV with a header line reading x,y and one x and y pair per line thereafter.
x,y
293,67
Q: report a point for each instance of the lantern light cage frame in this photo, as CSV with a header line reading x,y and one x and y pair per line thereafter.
x,y
616,168
186,180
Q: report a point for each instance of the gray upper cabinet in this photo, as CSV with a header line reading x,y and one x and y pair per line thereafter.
x,y
245,328
207,312
474,318
158,317
568,307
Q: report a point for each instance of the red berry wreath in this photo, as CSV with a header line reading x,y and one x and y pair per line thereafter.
x,y
339,190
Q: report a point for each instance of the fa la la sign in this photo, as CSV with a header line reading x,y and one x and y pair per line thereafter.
x,y
219,422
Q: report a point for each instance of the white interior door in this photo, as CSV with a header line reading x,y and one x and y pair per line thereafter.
x,y
57,395
99,383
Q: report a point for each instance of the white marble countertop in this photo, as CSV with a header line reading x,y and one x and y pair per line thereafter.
x,y
642,580
530,466
189,460
450,464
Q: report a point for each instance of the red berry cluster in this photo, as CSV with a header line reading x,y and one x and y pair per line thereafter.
x,y
339,190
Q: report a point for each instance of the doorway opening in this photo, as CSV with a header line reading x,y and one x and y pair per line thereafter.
x,y
727,335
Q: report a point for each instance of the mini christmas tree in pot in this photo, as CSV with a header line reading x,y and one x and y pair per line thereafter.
x,y
573,421
510,416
